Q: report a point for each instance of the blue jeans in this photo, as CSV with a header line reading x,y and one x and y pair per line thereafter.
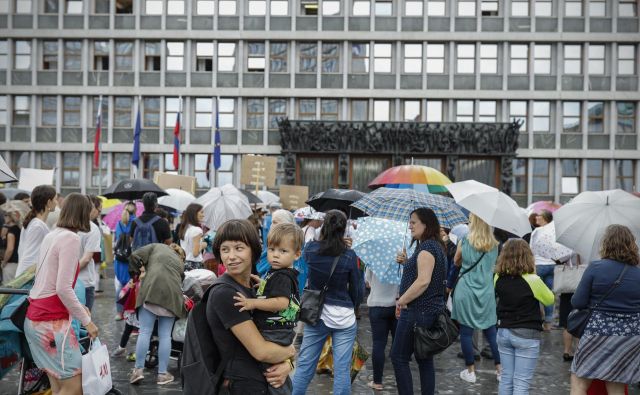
x,y
147,320
383,321
545,272
466,343
519,357
342,341
402,350
89,297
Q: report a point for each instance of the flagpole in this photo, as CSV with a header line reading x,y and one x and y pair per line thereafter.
x,y
99,150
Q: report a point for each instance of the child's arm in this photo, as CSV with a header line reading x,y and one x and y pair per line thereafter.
x,y
270,304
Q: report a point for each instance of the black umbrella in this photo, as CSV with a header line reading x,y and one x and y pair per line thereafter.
x,y
132,189
253,199
337,199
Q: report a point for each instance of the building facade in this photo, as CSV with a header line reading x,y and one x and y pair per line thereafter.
x,y
568,69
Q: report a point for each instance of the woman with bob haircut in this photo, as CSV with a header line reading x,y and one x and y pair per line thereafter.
x,y
609,349
190,234
237,246
53,301
519,292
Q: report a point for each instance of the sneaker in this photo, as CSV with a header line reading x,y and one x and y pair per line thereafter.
x,y
131,357
118,317
118,352
469,377
499,376
164,378
135,376
374,386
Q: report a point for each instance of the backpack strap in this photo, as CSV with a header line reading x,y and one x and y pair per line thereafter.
x,y
153,220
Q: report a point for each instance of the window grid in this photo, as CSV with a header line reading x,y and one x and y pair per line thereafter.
x,y
435,58
542,59
412,58
435,111
519,63
151,112
520,8
152,56
330,57
277,111
626,117
487,110
175,56
49,111
329,110
466,58
122,109
464,111
596,59
124,56
226,113
256,57
204,56
22,55
543,7
626,59
306,109
278,57
382,58
573,8
571,117
359,58
625,174
50,55
308,54
541,117
572,59
227,57
71,111
488,58
255,114
518,112
101,55
413,8
412,111
519,185
436,8
541,177
203,112
596,112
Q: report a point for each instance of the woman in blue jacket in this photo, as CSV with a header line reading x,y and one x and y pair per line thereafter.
x,y
338,318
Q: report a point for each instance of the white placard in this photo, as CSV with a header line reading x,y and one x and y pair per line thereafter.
x,y
570,185
31,178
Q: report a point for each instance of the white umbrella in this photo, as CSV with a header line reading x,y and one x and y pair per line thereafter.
x,y
492,206
176,199
6,175
268,197
580,224
223,204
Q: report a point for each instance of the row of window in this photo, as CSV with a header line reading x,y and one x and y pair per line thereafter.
x,y
571,8
202,112
432,58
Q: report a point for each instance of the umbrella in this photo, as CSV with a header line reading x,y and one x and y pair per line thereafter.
x,y
548,205
308,212
16,206
222,204
6,175
377,242
10,193
406,176
544,244
268,197
115,215
108,204
253,199
132,189
581,223
397,204
494,207
337,199
176,199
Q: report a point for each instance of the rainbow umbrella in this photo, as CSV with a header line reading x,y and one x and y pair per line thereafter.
x,y
114,216
420,178
548,205
108,204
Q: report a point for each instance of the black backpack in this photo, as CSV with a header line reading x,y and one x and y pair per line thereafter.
x,y
122,250
202,366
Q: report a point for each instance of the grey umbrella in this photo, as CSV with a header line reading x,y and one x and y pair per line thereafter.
x,y
6,175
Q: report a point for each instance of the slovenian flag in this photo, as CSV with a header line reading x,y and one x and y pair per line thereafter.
x,y
216,144
176,140
96,143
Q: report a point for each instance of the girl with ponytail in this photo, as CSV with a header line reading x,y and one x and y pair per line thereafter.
x,y
34,226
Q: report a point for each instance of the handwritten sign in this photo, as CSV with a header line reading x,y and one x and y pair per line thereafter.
x,y
293,196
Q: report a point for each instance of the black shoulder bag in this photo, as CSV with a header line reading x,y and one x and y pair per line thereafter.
x,y
579,318
313,300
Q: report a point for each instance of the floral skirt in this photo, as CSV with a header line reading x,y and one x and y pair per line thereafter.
x,y
46,339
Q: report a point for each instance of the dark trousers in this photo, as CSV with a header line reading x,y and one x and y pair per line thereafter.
x,y
90,297
383,321
466,343
126,334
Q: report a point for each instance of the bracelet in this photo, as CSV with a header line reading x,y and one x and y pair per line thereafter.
x,y
290,363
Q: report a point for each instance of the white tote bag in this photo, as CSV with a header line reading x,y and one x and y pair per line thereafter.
x,y
96,370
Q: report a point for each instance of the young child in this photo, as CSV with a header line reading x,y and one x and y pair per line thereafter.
x,y
277,304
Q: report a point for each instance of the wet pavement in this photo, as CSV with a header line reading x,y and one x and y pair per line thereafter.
x,y
551,376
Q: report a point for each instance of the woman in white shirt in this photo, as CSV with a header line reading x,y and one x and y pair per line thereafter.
x,y
34,226
190,235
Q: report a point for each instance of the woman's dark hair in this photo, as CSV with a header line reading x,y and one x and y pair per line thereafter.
x,y
238,230
546,215
21,196
95,201
332,234
619,244
432,225
75,214
189,217
40,196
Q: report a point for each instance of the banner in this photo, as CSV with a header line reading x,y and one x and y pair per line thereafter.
x,y
293,196
166,180
258,171
31,178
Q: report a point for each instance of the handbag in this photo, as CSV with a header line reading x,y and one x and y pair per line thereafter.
x,y
566,278
428,342
313,300
579,318
96,370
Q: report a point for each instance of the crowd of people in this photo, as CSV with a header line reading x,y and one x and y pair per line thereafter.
x,y
492,284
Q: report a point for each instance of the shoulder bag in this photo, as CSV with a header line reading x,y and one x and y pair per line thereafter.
x,y
579,318
567,276
20,313
465,272
313,300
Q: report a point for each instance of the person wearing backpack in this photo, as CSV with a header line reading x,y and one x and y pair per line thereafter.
x,y
122,251
149,227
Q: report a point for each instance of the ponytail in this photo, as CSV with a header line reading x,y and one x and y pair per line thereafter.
x,y
40,196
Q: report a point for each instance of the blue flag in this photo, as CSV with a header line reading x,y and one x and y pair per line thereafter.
x,y
216,144
135,157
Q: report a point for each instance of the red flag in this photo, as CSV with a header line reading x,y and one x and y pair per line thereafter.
x,y
96,143
176,143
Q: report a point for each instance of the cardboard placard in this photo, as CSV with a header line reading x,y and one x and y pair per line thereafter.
x,y
31,178
293,197
166,180
258,171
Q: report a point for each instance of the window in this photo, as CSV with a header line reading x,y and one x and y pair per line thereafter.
x,y
3,110
383,8
153,7
278,57
226,113
48,160
573,8
124,6
489,7
94,113
175,7
595,110
257,7
331,7
541,117
596,59
626,59
21,110
626,117
543,7
204,56
49,111
361,8
519,186
121,166
50,55
359,58
540,177
487,111
309,7
595,175
572,59
330,57
122,111
205,7
627,8
381,110
434,111
152,56
466,58
520,8
435,58
22,55
204,112
412,111
307,109
488,58
73,55
359,110
277,111
71,169
201,170
625,175
256,59
597,8
73,7
329,109
173,105
151,114
466,8
71,111
571,117
3,54
279,7
4,6
226,57
519,59
101,55
255,114
124,56
437,8
23,6
542,59
175,56
382,58
518,112
464,111
413,8
413,58
570,176
50,7
225,172
227,7
308,57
